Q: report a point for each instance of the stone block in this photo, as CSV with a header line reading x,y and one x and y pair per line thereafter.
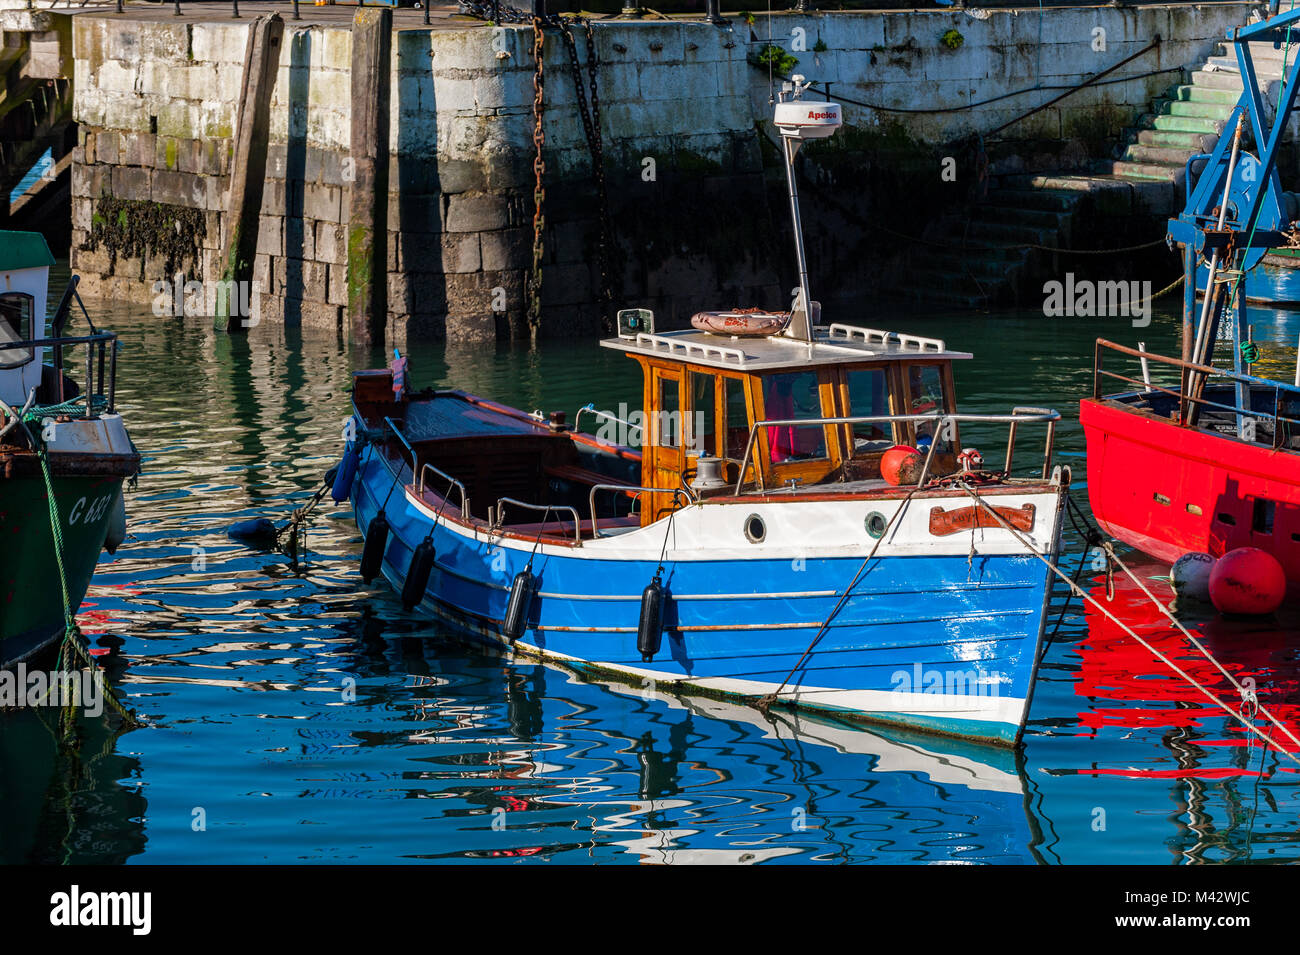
x,y
477,212
330,242
270,235
460,253
129,182
322,202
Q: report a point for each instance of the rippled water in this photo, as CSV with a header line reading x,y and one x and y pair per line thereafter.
x,y
255,752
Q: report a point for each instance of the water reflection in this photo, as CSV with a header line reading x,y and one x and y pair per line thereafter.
x,y
309,719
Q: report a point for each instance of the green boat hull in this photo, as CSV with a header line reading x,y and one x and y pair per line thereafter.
x,y
31,597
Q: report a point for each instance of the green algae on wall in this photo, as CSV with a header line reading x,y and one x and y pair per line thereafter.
x,y
141,229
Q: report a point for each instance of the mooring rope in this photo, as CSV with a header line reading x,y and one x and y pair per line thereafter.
x,y
1248,697
71,632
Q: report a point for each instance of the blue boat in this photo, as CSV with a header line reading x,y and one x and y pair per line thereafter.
x,y
792,519
1274,281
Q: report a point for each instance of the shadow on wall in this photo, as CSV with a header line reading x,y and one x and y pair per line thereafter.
x,y
417,288
295,174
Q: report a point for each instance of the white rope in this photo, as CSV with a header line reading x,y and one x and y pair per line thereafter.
x,y
1254,703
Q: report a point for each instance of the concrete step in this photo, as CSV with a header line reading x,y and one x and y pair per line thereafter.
x,y
1011,233
1181,124
1169,139
1265,69
1163,155
1203,94
1001,252
1264,52
1051,200
1168,107
1002,212
1124,169
1218,80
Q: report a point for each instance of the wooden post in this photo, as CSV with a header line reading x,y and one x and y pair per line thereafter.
x,y
248,165
372,41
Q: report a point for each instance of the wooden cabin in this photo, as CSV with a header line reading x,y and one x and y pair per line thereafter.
x,y
703,393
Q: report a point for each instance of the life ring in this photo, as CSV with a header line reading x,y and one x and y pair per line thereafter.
x,y
742,322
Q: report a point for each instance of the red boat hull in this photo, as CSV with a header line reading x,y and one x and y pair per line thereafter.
x,y
1167,490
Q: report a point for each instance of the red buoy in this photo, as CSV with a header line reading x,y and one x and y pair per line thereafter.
x,y
900,463
1247,581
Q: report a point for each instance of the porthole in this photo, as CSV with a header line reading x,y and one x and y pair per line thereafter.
x,y
876,524
755,529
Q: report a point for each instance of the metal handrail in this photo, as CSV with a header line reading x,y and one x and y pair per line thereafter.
x,y
1014,417
1179,363
52,342
1184,398
637,492
1051,437
401,437
464,496
101,339
577,521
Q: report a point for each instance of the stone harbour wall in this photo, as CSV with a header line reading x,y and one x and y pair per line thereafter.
x,y
157,105
695,195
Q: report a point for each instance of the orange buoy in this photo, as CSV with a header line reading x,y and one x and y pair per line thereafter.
x,y
1247,581
900,463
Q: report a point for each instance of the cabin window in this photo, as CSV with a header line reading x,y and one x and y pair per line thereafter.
x,y
703,414
926,393
737,417
16,310
791,397
869,397
668,423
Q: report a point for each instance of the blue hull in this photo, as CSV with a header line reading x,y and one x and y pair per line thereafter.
x,y
937,643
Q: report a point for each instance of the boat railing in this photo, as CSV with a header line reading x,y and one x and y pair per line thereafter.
x,y
401,437
101,364
1186,402
940,420
635,491
499,514
451,482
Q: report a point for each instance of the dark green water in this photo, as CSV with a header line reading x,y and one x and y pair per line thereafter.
x,y
257,751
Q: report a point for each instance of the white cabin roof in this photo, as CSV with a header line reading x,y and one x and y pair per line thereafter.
x,y
833,345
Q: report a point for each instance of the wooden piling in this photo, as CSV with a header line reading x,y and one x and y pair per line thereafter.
x,y
248,165
372,40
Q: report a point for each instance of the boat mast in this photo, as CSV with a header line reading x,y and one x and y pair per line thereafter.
x,y
797,121
790,148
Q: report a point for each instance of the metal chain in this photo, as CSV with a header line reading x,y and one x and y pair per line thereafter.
x,y
591,126
539,189
590,115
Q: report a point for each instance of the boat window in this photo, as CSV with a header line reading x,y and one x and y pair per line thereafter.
x,y
668,427
925,390
790,397
737,417
869,397
15,326
703,414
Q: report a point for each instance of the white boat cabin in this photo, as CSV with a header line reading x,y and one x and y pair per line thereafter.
x,y
704,393
25,262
